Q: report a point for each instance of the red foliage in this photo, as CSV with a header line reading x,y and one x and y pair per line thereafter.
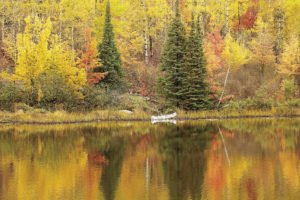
x,y
144,141
251,189
89,61
248,19
97,158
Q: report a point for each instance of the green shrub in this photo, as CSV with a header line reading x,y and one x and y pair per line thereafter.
x,y
97,98
289,88
251,103
10,94
40,110
55,91
22,106
292,103
134,102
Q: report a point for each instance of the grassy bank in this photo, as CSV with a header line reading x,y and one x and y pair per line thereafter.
x,y
61,117
234,113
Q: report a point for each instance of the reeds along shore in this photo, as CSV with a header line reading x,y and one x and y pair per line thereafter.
x,y
62,117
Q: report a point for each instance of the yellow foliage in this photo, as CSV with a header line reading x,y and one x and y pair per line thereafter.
x,y
263,44
291,8
39,51
234,54
290,63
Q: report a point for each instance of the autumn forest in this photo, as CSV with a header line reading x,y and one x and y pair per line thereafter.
x,y
150,55
149,99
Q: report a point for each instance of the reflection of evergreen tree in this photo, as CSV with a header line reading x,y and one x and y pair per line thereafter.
x,y
113,148
184,161
114,153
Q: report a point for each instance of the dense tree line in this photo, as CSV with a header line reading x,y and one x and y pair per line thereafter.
x,y
184,79
65,53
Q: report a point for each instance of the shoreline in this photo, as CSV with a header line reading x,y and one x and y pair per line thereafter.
x,y
61,118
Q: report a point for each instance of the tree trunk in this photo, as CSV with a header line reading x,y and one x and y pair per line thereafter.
x,y
60,22
146,48
3,23
14,31
146,34
34,93
278,40
19,20
262,71
95,6
224,86
204,17
151,46
86,50
297,83
226,17
2,29
239,18
19,25
72,35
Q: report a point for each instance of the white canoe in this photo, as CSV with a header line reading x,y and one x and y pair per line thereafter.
x,y
172,121
163,117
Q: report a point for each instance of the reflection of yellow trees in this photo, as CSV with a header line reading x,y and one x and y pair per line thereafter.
x,y
142,175
121,128
35,173
257,170
67,162
139,162
290,165
35,180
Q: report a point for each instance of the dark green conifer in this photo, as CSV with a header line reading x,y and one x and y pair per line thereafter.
x,y
195,89
110,57
172,63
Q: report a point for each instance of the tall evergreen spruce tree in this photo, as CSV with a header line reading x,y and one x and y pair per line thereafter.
x,y
110,57
172,63
195,89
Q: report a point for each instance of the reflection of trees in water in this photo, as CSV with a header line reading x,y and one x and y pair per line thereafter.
x,y
112,149
114,153
50,147
257,149
183,149
264,161
37,161
268,133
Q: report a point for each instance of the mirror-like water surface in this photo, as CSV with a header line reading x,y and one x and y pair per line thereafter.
x,y
242,159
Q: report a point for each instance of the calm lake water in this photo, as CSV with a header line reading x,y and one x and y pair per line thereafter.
x,y
236,159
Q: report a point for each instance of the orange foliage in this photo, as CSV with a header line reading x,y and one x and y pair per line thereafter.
x,y
96,158
144,142
216,175
214,46
251,189
217,43
89,60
